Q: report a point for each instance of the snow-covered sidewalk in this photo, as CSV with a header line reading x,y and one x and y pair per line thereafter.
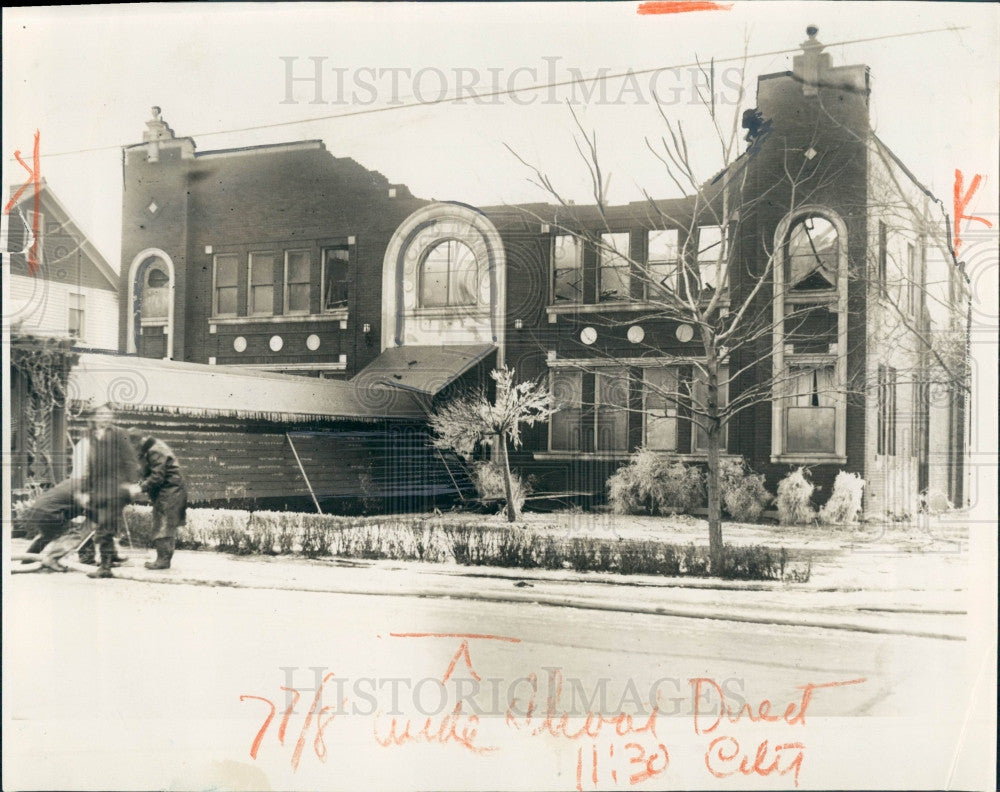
x,y
888,586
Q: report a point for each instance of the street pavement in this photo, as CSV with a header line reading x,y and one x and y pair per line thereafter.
x,y
166,680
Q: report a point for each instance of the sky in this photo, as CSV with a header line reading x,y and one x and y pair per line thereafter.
x,y
86,77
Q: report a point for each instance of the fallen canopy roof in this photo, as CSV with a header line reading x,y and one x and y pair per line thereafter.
x,y
147,384
425,370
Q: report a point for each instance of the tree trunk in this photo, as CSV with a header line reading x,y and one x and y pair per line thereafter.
x,y
714,502
508,484
714,458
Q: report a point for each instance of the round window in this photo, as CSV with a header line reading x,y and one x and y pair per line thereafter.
x,y
157,278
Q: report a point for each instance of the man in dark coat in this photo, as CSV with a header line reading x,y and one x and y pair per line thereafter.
x,y
111,467
49,515
163,482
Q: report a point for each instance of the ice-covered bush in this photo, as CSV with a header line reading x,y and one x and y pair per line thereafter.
x,y
652,483
488,478
743,493
844,504
795,499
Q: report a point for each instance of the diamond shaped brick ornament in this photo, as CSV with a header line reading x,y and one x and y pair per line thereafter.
x,y
152,207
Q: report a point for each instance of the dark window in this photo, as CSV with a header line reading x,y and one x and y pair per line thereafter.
x,y
661,397
261,297
893,413
711,256
699,397
883,255
155,294
662,261
298,264
886,440
566,423
157,278
602,428
614,279
612,388
913,278
77,315
336,286
813,254
811,416
226,273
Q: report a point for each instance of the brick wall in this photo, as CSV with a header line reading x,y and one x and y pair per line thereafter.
x,y
266,199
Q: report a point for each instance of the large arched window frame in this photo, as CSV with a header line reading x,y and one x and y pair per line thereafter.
x,y
138,271
817,379
454,285
405,322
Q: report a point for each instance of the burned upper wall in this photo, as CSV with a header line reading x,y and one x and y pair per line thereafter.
x,y
187,207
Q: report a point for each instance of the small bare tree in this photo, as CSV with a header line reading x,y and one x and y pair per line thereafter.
x,y
474,419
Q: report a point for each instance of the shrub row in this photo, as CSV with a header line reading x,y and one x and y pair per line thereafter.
x,y
655,483
469,544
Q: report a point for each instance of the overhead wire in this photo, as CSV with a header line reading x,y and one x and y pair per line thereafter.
x,y
463,96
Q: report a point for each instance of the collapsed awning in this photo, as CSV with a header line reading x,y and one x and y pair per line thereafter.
x,y
149,385
423,369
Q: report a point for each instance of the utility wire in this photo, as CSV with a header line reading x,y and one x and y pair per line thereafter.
x,y
510,91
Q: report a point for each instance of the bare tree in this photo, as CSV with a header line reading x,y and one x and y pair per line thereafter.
x,y
468,421
745,293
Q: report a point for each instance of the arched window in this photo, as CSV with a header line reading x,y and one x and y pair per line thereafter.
x,y
810,338
449,275
813,254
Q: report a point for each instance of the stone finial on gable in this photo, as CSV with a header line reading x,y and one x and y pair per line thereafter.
x,y
156,130
811,65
